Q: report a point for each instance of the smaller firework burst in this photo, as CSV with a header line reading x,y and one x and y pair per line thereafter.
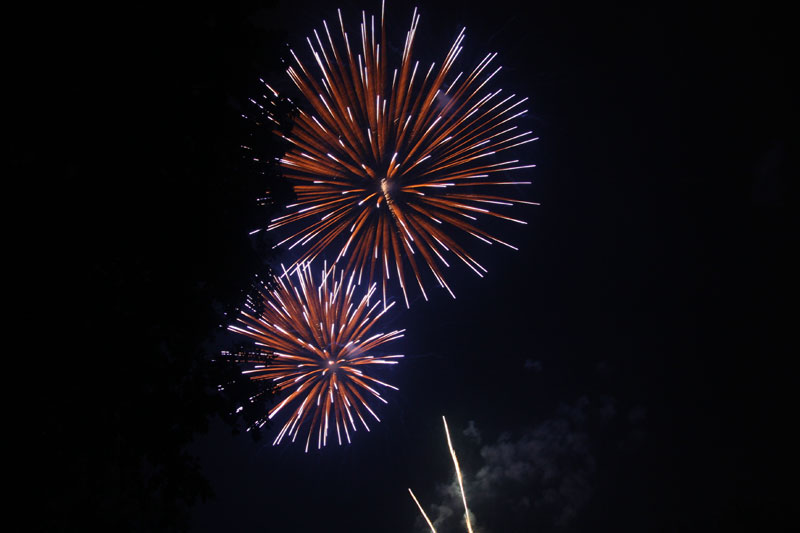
x,y
323,341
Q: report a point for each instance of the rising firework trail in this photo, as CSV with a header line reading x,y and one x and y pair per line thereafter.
x,y
460,485
394,168
323,341
421,510
458,475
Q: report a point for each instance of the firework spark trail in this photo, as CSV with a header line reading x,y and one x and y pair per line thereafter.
x,y
389,165
323,342
458,475
460,485
422,511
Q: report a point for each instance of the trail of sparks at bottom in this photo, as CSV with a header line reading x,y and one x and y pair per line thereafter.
x,y
460,485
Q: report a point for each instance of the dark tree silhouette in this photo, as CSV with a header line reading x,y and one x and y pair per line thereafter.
x,y
151,200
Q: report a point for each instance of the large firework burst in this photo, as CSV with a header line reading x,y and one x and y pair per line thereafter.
x,y
323,342
394,166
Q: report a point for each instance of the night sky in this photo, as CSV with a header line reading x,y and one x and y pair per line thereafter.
x,y
625,370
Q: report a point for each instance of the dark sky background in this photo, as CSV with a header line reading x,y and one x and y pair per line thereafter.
x,y
625,370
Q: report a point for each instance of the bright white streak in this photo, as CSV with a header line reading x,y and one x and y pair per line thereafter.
x,y
423,512
458,475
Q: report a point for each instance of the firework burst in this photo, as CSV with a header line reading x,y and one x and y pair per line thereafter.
x,y
323,342
394,167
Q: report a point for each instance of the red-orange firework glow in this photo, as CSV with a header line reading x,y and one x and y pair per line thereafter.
x,y
323,342
389,163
